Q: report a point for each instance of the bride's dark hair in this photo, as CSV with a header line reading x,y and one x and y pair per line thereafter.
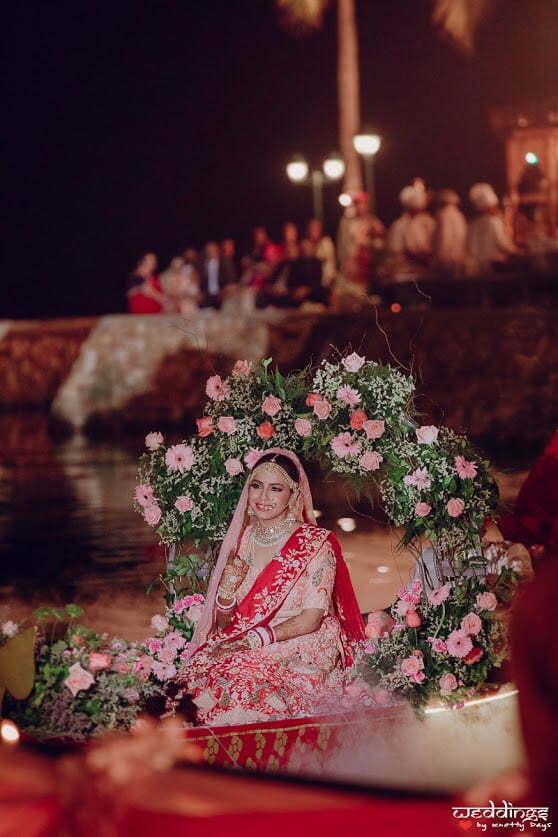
x,y
283,461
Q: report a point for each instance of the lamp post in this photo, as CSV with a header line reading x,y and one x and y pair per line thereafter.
x,y
298,171
367,145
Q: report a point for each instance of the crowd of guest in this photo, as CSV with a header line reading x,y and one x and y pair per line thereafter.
x,y
431,237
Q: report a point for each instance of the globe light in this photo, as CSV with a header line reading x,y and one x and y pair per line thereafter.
x,y
347,524
531,158
367,144
334,166
345,199
297,169
9,733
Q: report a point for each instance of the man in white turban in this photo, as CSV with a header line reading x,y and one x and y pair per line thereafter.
x,y
488,243
450,235
410,238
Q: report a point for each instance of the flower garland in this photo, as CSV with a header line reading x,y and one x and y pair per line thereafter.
x,y
354,417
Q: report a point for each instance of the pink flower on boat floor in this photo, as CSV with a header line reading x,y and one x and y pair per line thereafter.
x,y
374,428
322,408
422,509
448,684
343,445
358,417
234,467
471,624
242,368
162,671
353,362
458,644
227,424
487,601
371,460
179,458
152,515
303,427
184,504
419,479
154,440
455,507
144,495
465,469
98,661
427,434
217,389
78,679
271,405
348,396
439,594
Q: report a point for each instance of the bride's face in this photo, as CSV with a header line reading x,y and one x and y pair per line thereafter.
x,y
269,497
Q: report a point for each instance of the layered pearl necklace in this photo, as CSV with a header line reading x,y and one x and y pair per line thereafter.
x,y
272,535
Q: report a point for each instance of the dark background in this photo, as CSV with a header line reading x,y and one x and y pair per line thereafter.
x,y
140,125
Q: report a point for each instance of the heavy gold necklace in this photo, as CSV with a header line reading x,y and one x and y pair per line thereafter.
x,y
272,535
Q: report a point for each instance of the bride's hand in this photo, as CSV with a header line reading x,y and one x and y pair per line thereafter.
x,y
234,573
227,648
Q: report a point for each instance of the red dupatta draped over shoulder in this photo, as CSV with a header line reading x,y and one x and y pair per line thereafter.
x,y
277,579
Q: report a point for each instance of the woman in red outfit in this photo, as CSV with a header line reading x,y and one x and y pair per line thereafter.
x,y
145,294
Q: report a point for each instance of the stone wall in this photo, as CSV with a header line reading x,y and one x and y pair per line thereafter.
x,y
491,372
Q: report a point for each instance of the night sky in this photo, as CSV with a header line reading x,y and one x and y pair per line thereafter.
x,y
140,125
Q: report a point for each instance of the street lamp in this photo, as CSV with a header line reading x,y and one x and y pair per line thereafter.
x,y
298,171
367,145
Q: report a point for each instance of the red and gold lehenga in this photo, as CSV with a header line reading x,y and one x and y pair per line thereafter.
x,y
301,676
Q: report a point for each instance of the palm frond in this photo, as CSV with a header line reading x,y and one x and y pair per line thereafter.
x,y
302,16
459,19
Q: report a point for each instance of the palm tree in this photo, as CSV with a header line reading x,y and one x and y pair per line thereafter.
x,y
457,19
307,15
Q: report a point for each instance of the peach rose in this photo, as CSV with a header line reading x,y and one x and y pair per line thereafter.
x,y
322,408
487,601
412,619
370,460
154,440
152,515
353,362
427,434
422,509
303,427
358,417
471,624
226,424
184,504
265,430
378,623
473,656
205,426
234,467
374,428
455,507
411,666
312,397
271,405
242,368
448,683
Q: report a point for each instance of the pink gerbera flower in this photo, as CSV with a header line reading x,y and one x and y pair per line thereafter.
x,y
419,478
343,445
179,458
348,396
466,470
217,389
458,644
439,595
144,495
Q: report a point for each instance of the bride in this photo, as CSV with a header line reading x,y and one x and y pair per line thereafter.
x,y
281,620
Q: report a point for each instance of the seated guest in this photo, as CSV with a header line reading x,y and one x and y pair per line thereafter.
x,y
295,281
450,235
324,251
181,284
289,245
488,245
212,279
228,262
144,292
409,240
